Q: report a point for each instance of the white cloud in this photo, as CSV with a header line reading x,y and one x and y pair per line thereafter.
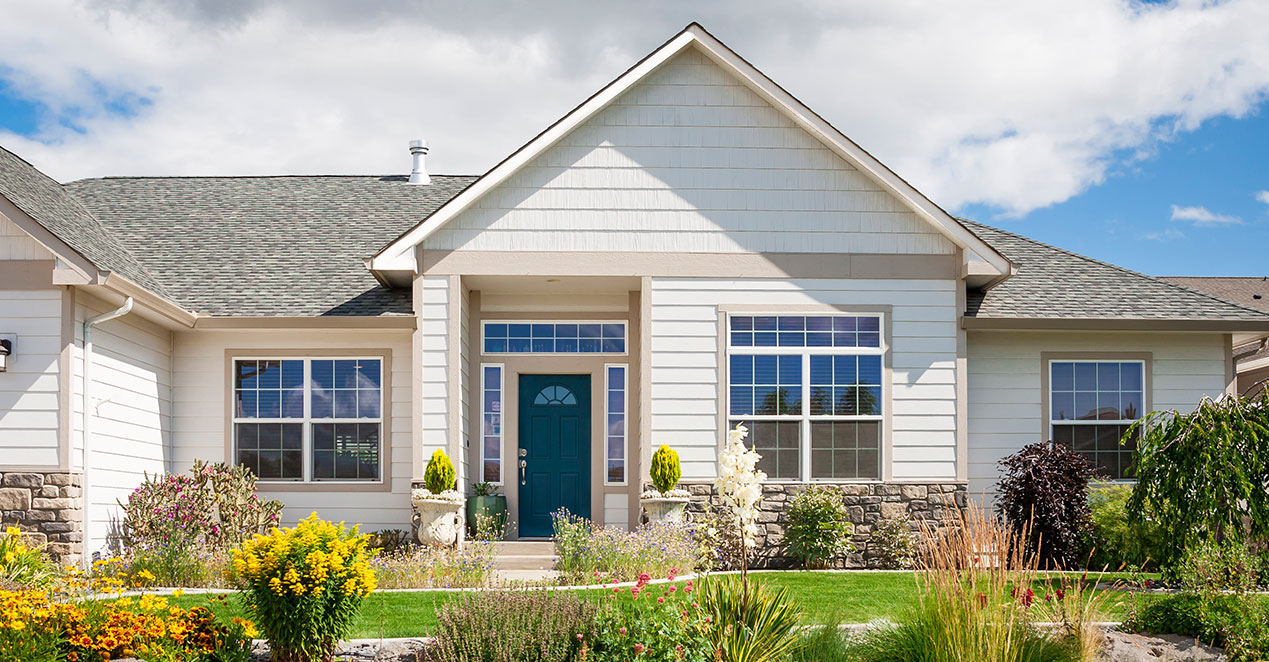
x,y
1263,196
1166,235
1017,105
1202,216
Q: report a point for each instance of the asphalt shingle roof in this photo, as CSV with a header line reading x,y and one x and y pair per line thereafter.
x,y
49,204
261,246
1242,291
1055,283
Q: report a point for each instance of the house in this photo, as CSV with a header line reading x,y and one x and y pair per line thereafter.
x,y
688,249
1252,359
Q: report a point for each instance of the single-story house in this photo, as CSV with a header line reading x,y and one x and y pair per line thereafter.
x,y
688,249
1251,359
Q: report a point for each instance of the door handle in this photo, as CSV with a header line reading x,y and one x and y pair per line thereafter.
x,y
523,464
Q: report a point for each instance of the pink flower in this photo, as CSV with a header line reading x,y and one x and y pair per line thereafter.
x,y
638,649
660,601
621,631
673,589
615,589
579,636
645,577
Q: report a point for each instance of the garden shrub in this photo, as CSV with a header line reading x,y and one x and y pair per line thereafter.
x,y
1237,623
718,544
1211,568
23,564
1118,540
751,622
1043,493
304,586
892,545
656,623
819,528
439,475
665,471
523,625
1201,476
421,566
587,552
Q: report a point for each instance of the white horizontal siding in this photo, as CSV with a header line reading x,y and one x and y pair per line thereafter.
x,y
15,244
199,411
29,407
685,380
1005,381
130,406
434,325
690,160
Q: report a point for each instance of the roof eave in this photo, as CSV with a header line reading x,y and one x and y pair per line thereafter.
x,y
1114,324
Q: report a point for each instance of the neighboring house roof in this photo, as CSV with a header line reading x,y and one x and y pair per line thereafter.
x,y
1250,292
266,246
398,255
1051,283
47,202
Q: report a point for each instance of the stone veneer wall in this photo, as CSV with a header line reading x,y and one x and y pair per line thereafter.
x,y
48,508
868,504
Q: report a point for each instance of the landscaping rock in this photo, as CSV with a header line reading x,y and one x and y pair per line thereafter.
x,y
1129,647
376,650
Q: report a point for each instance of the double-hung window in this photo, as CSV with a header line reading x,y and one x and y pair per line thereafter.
x,y
309,419
1092,404
809,388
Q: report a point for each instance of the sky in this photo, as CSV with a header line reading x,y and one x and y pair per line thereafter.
x,y
1133,132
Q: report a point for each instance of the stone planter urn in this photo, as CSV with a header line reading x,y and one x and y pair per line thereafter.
x,y
665,507
439,522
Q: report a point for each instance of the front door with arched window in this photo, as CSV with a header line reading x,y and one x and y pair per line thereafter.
x,y
555,449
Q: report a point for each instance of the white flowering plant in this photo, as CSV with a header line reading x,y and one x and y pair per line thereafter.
x,y
669,494
424,494
740,487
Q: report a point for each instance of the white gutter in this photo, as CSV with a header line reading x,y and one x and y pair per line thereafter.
x,y
86,453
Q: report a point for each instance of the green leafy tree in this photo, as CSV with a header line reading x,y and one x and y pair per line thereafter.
x,y
1201,476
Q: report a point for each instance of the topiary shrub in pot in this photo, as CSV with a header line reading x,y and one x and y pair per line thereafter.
x,y
665,503
437,505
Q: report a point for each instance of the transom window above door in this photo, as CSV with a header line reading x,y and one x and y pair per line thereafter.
x,y
530,337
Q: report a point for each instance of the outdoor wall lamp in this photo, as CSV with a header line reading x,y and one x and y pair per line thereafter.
x,y
6,348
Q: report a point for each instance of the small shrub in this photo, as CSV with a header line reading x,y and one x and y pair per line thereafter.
x,y
656,623
24,564
1211,568
305,585
1118,540
892,545
1043,491
484,489
587,552
752,622
439,475
389,540
191,568
1237,623
718,545
435,567
665,471
819,527
525,625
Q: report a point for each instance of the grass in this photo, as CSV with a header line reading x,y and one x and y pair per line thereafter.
x,y
825,597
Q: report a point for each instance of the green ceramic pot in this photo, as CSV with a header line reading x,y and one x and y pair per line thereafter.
x,y
488,506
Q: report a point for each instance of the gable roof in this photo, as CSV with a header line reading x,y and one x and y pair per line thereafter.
x,y
266,246
1050,283
47,202
398,256
1252,292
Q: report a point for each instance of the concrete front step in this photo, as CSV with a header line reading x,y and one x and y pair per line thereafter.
x,y
525,547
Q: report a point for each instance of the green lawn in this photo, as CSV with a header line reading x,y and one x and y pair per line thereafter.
x,y
856,597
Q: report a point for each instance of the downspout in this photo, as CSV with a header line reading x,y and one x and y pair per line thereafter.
x,y
86,453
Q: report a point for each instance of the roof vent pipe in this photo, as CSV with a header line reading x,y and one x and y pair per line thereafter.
x,y
418,149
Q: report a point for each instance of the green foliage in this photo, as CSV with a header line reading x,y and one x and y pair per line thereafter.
x,y
484,489
424,566
439,475
1044,496
929,633
1237,623
587,552
1202,475
22,563
825,643
718,544
665,469
819,527
752,622
1210,568
652,623
527,625
1118,540
892,545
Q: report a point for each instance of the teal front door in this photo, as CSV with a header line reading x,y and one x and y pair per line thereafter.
x,y
554,449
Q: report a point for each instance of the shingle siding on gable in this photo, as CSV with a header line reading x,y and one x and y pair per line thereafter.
x,y
690,160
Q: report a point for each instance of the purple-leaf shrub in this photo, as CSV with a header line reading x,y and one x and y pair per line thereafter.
x,y
1043,492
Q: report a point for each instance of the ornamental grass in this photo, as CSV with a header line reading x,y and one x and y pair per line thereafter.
x,y
305,585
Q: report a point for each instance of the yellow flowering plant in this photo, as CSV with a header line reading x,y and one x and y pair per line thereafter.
x,y
304,586
21,563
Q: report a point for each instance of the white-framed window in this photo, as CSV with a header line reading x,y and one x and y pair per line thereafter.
x,y
616,403
1092,404
553,337
309,419
491,389
809,388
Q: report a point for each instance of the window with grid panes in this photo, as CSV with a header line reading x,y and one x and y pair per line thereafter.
x,y
1092,404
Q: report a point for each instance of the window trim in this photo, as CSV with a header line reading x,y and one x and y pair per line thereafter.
x,y
502,421
384,356
725,351
1046,391
625,334
625,426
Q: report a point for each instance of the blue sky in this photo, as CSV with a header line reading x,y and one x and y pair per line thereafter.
x,y
1133,132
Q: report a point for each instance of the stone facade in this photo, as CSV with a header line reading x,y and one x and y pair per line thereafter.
x,y
48,508
868,504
